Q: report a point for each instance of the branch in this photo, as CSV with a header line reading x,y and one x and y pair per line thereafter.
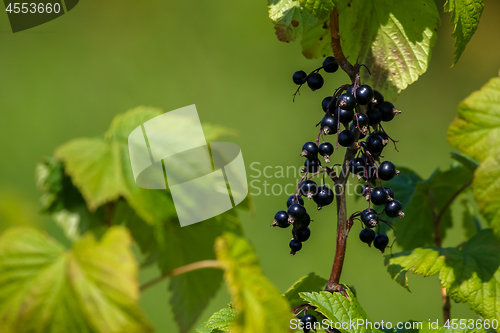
x,y
181,270
337,48
342,219
445,299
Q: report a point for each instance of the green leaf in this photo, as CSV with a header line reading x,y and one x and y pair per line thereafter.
x,y
319,8
259,305
306,19
92,288
486,191
426,202
222,319
476,129
392,38
465,15
310,282
338,308
470,274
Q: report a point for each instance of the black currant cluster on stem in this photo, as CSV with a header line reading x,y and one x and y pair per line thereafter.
x,y
354,112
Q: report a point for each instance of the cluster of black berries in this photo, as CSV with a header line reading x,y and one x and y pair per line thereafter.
x,y
360,110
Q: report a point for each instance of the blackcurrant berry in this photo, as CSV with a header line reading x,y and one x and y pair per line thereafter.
x,y
310,150
330,65
352,128
325,149
303,234
370,218
291,200
379,195
384,136
357,165
315,81
312,165
296,212
299,77
304,223
346,138
394,209
347,102
361,120
295,246
390,193
308,188
325,102
387,111
367,236
386,170
374,116
377,97
381,241
374,143
324,197
350,90
364,94
308,321
281,219
329,125
345,116
366,211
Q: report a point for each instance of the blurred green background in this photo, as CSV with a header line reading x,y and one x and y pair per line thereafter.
x,y
69,78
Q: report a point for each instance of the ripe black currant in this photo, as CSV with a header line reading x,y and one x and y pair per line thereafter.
x,y
312,165
390,193
281,219
303,234
326,150
345,116
329,124
394,209
324,197
330,65
369,218
295,246
364,94
308,321
310,150
374,143
377,97
291,198
367,236
379,195
296,212
325,102
304,222
357,165
299,77
315,81
308,188
386,170
352,128
361,120
380,242
347,102
387,111
384,136
346,138
374,116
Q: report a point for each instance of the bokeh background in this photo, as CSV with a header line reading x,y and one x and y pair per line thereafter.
x,y
69,78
